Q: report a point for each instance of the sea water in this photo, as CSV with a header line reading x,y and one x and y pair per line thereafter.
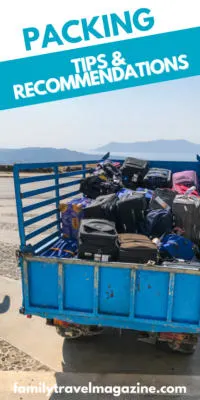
x,y
153,156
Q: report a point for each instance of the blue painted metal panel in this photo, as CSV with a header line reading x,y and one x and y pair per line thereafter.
x,y
57,198
75,173
41,230
47,189
96,294
19,206
56,176
78,288
36,192
114,321
37,178
67,195
170,296
151,294
46,241
114,289
23,209
32,221
33,166
43,284
78,297
42,178
40,204
187,299
177,166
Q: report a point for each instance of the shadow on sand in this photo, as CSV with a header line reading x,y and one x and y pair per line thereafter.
x,y
5,305
119,358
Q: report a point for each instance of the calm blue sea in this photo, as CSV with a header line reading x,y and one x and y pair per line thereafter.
x,y
155,156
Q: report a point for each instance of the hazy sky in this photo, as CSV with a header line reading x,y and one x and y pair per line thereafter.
x,y
168,110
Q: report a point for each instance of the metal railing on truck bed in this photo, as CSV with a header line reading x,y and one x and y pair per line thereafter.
x,y
41,204
130,296
56,187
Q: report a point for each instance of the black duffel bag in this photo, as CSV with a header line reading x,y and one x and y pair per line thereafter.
x,y
94,186
110,169
91,186
104,207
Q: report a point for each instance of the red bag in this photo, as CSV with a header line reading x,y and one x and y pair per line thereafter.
x,y
181,189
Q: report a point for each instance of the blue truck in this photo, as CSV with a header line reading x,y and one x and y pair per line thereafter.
x,y
79,297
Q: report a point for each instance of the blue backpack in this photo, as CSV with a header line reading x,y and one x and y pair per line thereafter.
x,y
158,222
176,246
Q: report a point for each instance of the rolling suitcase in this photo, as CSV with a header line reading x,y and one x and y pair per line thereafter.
x,y
133,171
103,207
158,178
130,211
98,237
162,198
186,210
186,178
136,248
182,189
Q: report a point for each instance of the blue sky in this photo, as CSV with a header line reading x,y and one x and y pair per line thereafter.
x,y
169,110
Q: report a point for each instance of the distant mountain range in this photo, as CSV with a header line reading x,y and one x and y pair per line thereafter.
x,y
48,154
153,146
38,154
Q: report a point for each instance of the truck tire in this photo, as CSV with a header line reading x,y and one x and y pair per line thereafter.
x,y
95,331
73,334
184,348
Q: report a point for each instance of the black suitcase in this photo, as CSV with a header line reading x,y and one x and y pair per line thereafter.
x,y
103,207
133,171
98,237
162,198
130,212
186,210
158,178
136,248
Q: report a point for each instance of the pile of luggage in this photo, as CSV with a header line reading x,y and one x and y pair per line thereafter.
x,y
133,213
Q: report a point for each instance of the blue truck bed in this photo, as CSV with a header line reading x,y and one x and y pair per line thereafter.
x,y
140,297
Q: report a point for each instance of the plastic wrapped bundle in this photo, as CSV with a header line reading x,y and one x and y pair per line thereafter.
x,y
61,249
71,215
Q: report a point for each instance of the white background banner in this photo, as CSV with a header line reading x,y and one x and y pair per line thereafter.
x,y
169,15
